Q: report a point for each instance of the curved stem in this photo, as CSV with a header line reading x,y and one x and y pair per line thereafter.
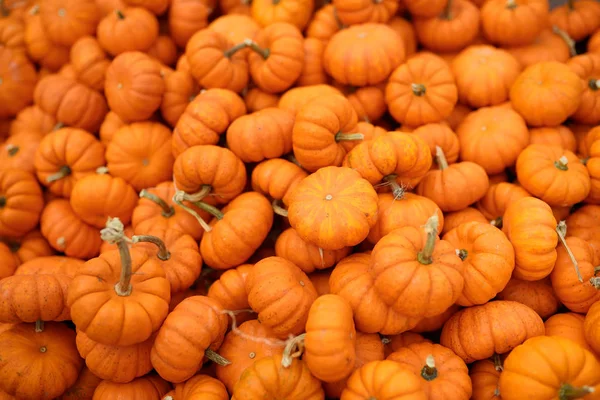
x,y
562,163
214,211
297,344
429,371
594,84
199,195
12,150
216,358
348,136
120,14
63,172
397,190
167,210
498,363
448,11
39,326
570,392
114,233
265,53
440,158
561,230
3,201
278,209
497,222
418,89
462,254
102,170
59,125
178,199
240,46
511,4
425,256
163,253
567,39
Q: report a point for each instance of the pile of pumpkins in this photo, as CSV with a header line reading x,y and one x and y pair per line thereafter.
x,y
296,200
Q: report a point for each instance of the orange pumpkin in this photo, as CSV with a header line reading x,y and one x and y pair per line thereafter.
x,y
350,13
513,22
276,178
19,152
180,90
537,295
40,48
549,45
577,18
65,21
454,219
89,62
559,135
324,24
32,120
569,326
128,29
587,67
230,291
18,82
295,12
21,202
187,17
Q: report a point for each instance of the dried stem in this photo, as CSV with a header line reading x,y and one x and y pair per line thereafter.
x,y
566,38
498,363
12,150
216,358
163,253
63,172
278,209
570,392
240,46
199,195
397,190
418,89
429,371
440,158
448,11
425,256
561,230
178,199
114,233
293,349
340,136
39,326
594,84
167,210
511,4
562,163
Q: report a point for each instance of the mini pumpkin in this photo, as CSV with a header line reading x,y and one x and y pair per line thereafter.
x,y
89,62
18,82
197,387
296,98
560,135
455,219
568,325
313,72
127,29
276,178
144,387
295,12
496,200
40,48
32,120
21,202
365,11
549,45
187,17
513,22
578,18
65,21
587,67
440,134
324,24
537,295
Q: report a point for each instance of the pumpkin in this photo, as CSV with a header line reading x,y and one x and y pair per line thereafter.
x,y
32,245
208,325
206,118
140,153
485,375
551,354
119,364
149,387
594,43
18,82
590,329
549,45
198,387
339,201
406,31
531,228
409,253
40,48
180,90
569,326
435,323
421,91
83,388
268,378
133,86
537,295
67,233
276,178
234,7
320,280
425,8
296,98
582,224
363,54
295,12
444,374
513,22
70,102
557,136
28,350
275,285
553,174
312,70
21,202
89,62
65,21
439,134
592,142
32,120
455,219
365,11
330,339
394,343
546,94
128,29
324,24
257,99
215,62
12,35
19,152
587,67
578,18
10,263
455,186
236,27
500,129
383,380
351,278
488,257
230,291
65,156
158,7
186,17
132,280
111,124
367,101
496,200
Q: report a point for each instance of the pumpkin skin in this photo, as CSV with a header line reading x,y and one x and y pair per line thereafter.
x,y
32,245
582,224
119,364
594,43
12,35
329,345
199,387
214,63
440,134
383,380
324,24
569,326
546,94
501,129
455,219
577,296
236,27
187,17
67,233
40,48
590,328
26,353
557,136
73,152
67,21
587,67
19,79
296,98
21,202
19,152
263,134
484,377
531,228
275,285
363,54
295,12
341,204
553,174
312,70
406,31
435,323
578,19
70,102
134,86
140,153
277,178
32,120
551,354
158,7
230,291
267,378
128,29
496,200
84,387
488,258
514,23
149,387
365,11
111,124
474,87
548,46
257,99
421,91
89,62
180,90
449,378
394,343
537,295
352,279
206,118
209,326
150,291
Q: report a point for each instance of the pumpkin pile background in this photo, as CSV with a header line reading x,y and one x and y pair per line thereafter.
x,y
298,200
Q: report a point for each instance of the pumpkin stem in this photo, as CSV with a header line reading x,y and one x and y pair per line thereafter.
x,y
322,256
570,392
114,233
429,371
594,84
120,14
566,38
397,190
242,334
561,230
265,53
291,158
571,5
293,349
212,210
240,46
39,326
448,11
418,89
178,199
199,195
102,170
63,172
386,340
497,392
336,16
348,136
216,358
167,210
279,210
59,125
511,4
3,10
3,201
12,150
595,282
431,229
462,254
562,163
440,158
163,253
498,363
497,222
